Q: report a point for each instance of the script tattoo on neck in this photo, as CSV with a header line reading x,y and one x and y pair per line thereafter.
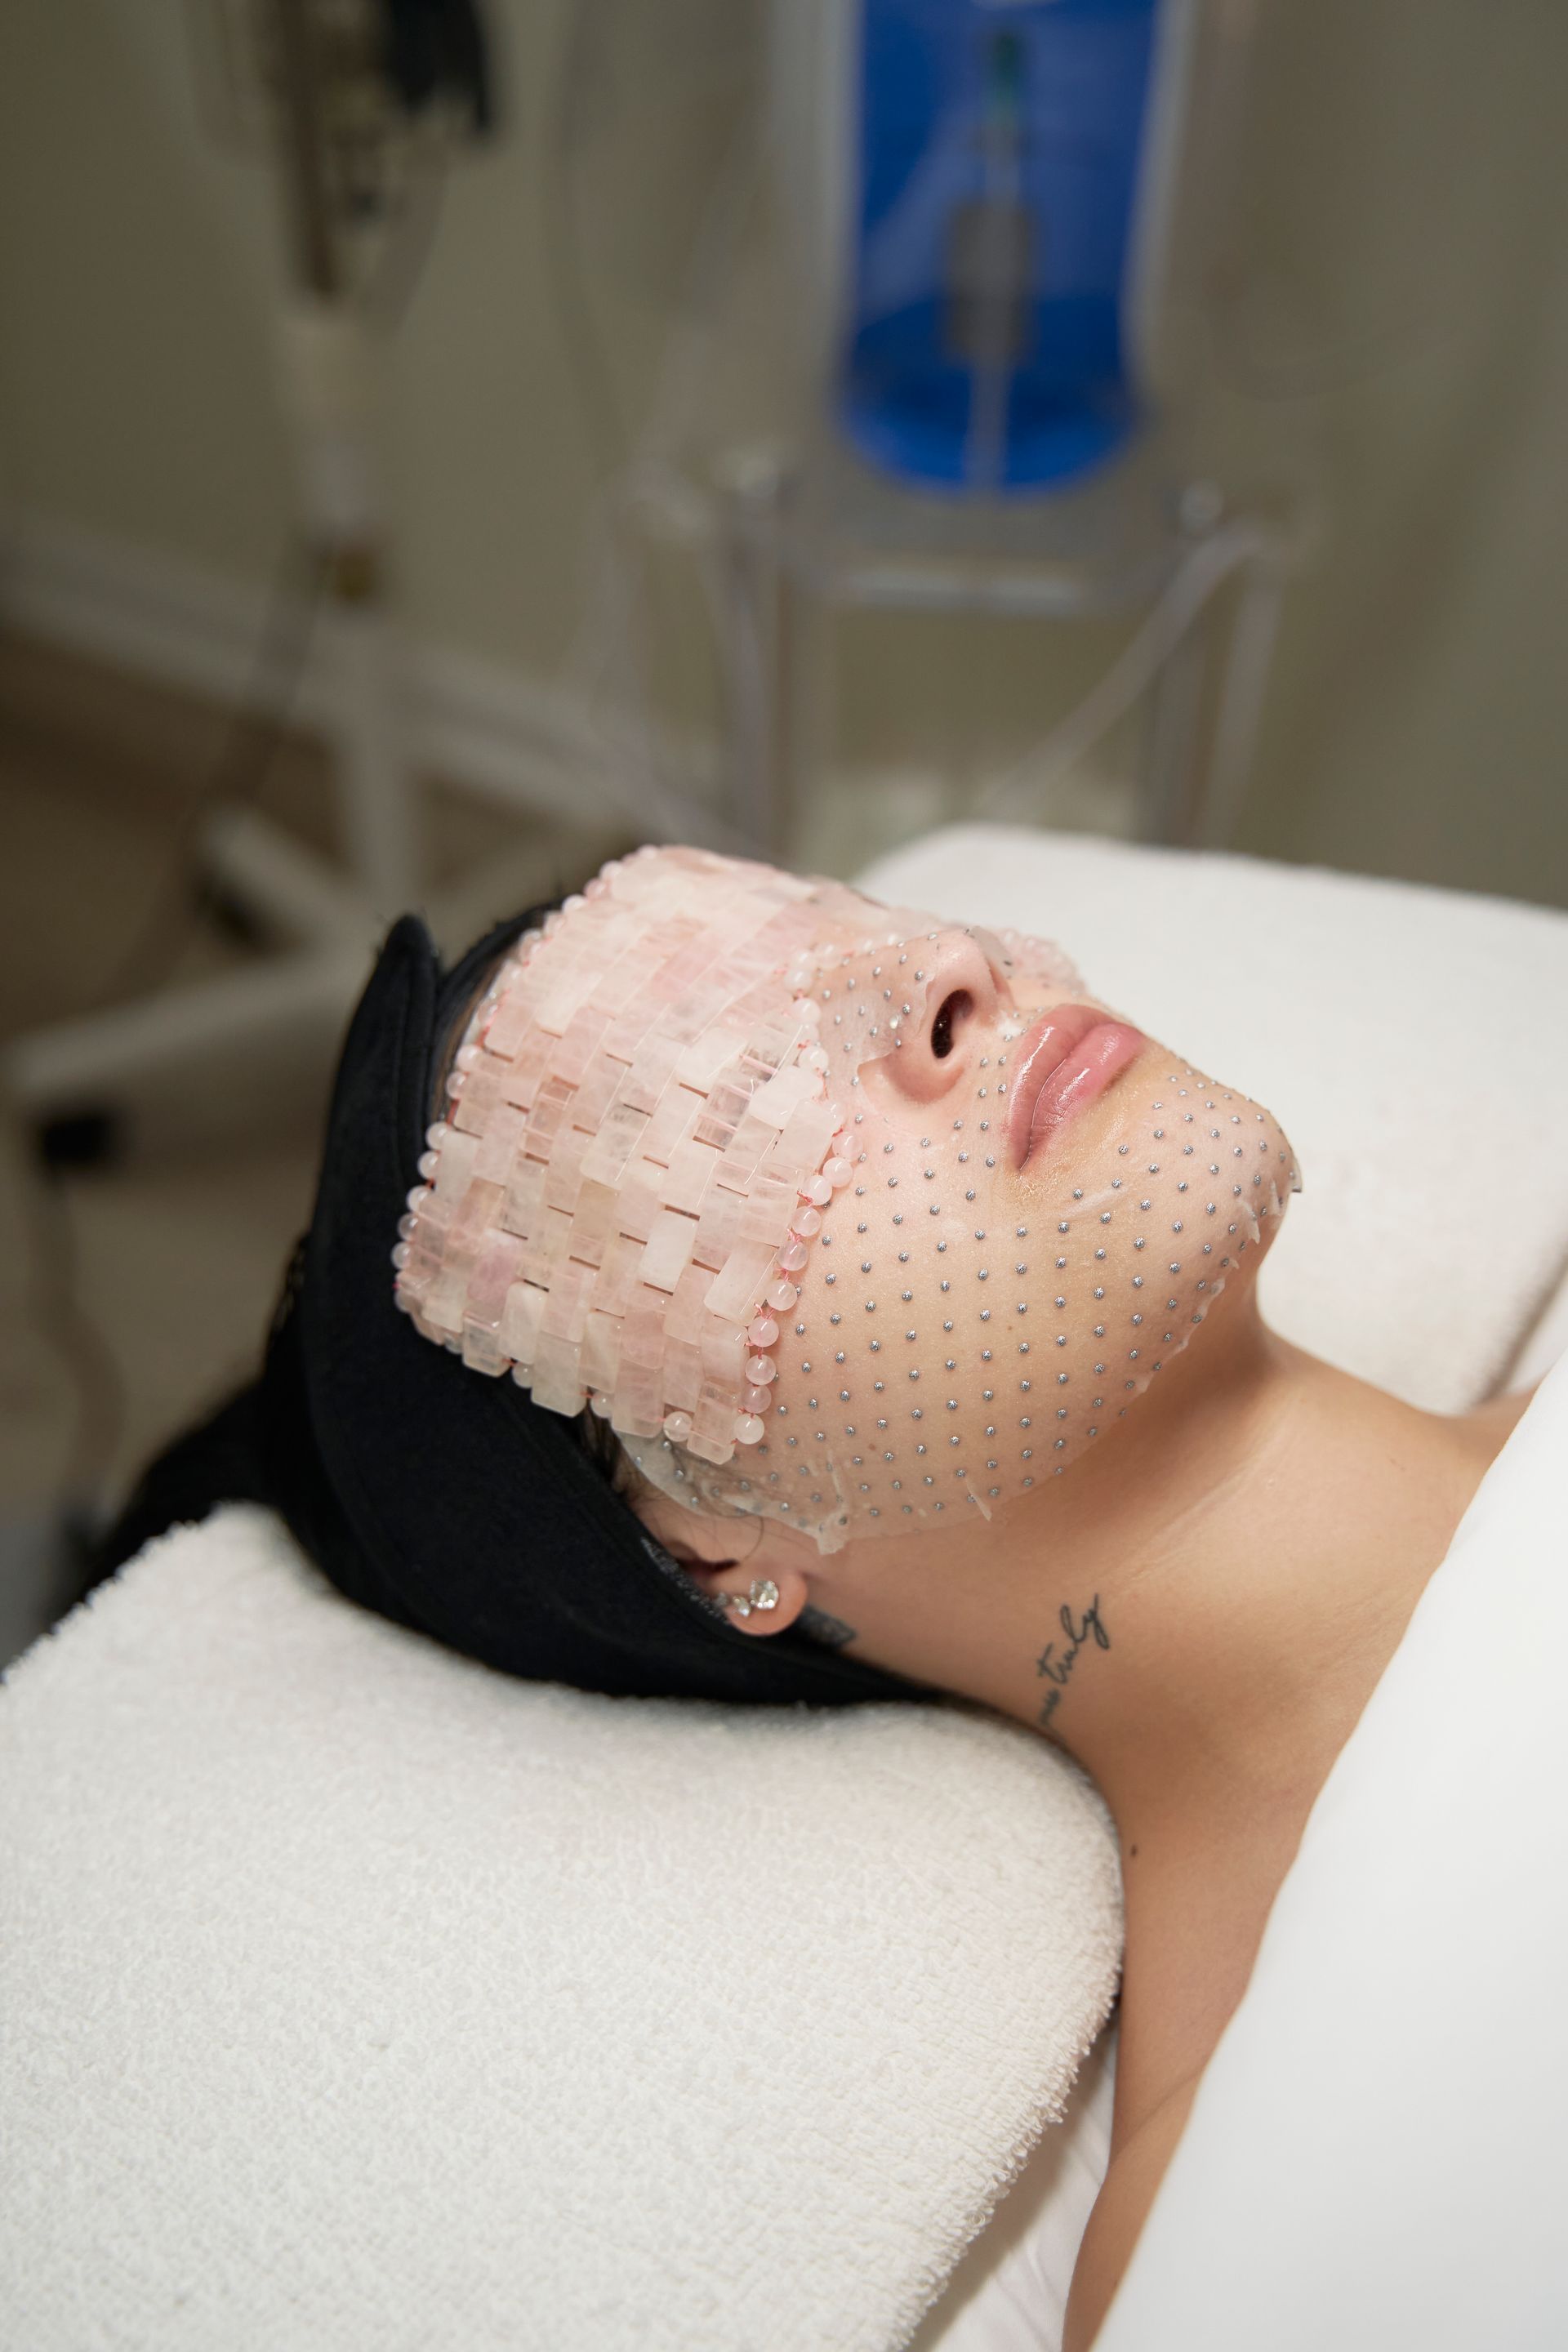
x,y
1057,1671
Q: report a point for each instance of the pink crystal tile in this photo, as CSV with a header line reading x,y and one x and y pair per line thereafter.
x,y
618,1274
458,1154
520,1319
509,1025
481,1350
568,991
528,1071
547,1248
557,1381
495,1270
442,1305
570,1059
601,1084
566,1309
550,1107
524,1204
682,1374
626,1033
501,1144
614,1145
804,1142
480,1210
672,1120
692,1170
668,1251
638,1199
717,1227
768,1210
710,1449
593,1222
738,1287
777,1097
709,1054
652,1067
722,1352
475,1106
642,1328
637,1407
740,1163
564,1180
601,1351
714,1418
686,1314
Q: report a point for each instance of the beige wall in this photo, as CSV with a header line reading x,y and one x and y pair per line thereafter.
x,y
1396,293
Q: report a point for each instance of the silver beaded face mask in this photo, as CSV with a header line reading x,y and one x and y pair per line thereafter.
x,y
974,1217
1043,1206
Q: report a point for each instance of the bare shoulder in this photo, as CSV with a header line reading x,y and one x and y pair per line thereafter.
x,y
1119,2210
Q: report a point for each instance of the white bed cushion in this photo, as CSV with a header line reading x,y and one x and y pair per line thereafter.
x,y
1385,1025
1409,1040
355,1996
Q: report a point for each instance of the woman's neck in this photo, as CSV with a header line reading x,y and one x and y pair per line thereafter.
x,y
1200,1611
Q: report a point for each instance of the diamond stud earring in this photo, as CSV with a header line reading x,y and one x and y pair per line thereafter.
x,y
764,1594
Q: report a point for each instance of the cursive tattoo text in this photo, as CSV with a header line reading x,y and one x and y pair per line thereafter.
x,y
1057,1671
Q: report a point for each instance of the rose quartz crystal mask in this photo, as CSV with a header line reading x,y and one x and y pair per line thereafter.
x,y
672,1184
638,1144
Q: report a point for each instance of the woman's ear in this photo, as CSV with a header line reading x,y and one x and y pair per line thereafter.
x,y
743,1562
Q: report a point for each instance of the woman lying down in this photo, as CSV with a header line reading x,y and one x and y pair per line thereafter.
x,y
729,1286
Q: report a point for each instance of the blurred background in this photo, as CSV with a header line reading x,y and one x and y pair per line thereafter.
x,y
444,444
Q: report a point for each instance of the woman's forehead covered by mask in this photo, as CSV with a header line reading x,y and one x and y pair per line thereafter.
x,y
636,1128
701,1167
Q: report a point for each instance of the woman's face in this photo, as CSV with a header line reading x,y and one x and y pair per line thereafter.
x,y
1044,1204
839,1213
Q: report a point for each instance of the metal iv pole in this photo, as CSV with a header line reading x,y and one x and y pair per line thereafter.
x,y
291,1006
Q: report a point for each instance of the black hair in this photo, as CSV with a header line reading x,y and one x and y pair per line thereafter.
x,y
445,1500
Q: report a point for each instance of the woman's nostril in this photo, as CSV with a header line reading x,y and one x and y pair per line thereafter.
x,y
949,1013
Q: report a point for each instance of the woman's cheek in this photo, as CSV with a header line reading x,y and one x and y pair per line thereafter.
x,y
963,1334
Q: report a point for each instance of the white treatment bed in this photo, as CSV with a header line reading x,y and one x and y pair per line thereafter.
x,y
353,1996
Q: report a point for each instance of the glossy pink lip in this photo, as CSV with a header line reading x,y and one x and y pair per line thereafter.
x,y
1065,1061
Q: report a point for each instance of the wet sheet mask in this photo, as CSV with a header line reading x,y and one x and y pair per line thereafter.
x,y
727,1156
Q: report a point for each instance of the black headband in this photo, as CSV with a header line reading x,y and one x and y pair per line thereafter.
x,y
449,1500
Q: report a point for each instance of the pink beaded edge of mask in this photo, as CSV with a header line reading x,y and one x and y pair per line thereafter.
x,y
637,1146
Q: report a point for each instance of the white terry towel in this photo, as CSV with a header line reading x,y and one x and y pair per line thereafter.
x,y
1409,1040
357,1998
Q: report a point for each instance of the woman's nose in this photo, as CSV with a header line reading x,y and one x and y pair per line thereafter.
x,y
944,1032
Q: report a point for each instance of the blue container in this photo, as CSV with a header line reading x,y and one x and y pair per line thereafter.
x,y
999,147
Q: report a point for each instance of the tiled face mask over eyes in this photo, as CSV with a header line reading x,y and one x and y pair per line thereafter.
x,y
842,1215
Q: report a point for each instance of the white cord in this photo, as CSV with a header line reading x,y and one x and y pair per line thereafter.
x,y
1196,581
